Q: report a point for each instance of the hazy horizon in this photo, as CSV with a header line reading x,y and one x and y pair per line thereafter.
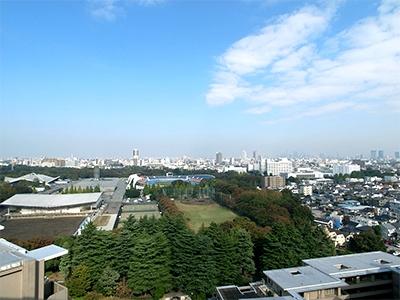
x,y
174,78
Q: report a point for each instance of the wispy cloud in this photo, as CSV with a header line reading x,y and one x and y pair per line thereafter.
x,y
109,10
289,64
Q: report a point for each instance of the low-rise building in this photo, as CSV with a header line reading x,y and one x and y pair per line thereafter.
x,y
22,273
372,275
273,182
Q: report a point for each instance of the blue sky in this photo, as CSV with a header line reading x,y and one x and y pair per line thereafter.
x,y
99,78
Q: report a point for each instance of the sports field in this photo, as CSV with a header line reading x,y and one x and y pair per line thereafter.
x,y
205,213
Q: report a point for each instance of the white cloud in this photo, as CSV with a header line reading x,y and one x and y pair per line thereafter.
x,y
289,65
109,10
105,9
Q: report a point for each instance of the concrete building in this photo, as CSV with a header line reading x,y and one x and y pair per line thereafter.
x,y
273,182
345,169
28,204
279,167
381,154
306,190
22,273
372,275
135,154
218,158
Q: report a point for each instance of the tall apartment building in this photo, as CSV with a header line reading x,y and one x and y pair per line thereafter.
x,y
381,154
372,275
345,169
306,190
22,273
135,157
373,154
273,182
278,167
218,158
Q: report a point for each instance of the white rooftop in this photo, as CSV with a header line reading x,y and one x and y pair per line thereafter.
x,y
32,177
302,279
48,252
51,201
355,264
12,256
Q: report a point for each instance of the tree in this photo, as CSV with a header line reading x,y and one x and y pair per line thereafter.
x,y
366,241
79,282
149,266
107,282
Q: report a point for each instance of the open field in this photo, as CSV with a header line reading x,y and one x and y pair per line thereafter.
x,y
29,228
205,213
139,207
138,211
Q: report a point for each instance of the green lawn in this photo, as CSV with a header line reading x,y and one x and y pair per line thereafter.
x,y
198,214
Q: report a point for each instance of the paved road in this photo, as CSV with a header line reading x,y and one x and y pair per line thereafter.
x,y
114,204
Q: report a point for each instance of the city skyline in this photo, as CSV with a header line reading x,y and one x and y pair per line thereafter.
x,y
171,78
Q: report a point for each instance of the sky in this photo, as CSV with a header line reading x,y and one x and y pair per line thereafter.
x,y
172,78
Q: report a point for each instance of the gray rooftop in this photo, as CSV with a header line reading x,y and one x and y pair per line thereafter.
x,y
355,264
12,256
302,279
51,201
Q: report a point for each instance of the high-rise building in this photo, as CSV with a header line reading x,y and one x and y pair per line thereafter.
x,y
397,155
373,154
278,167
254,154
135,157
244,155
380,154
218,158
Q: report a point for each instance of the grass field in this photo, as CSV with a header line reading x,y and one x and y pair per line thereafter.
x,y
25,229
198,214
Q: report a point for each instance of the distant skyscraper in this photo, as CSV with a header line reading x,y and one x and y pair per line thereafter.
x,y
373,154
397,155
244,154
254,154
135,157
380,154
218,158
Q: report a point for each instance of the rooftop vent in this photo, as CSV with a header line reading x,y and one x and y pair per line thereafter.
x,y
342,267
295,272
383,262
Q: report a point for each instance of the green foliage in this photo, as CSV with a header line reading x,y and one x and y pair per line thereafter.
x,y
8,190
75,190
149,266
132,193
79,281
107,282
366,241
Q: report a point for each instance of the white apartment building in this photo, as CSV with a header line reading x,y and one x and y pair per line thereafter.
x,y
345,169
306,190
278,167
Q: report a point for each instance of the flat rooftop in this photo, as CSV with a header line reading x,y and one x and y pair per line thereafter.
x,y
302,279
355,264
52,200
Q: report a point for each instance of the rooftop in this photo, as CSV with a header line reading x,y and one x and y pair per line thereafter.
x,y
51,201
302,279
12,256
32,177
354,264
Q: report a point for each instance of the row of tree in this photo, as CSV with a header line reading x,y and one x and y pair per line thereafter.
x,y
151,257
77,190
